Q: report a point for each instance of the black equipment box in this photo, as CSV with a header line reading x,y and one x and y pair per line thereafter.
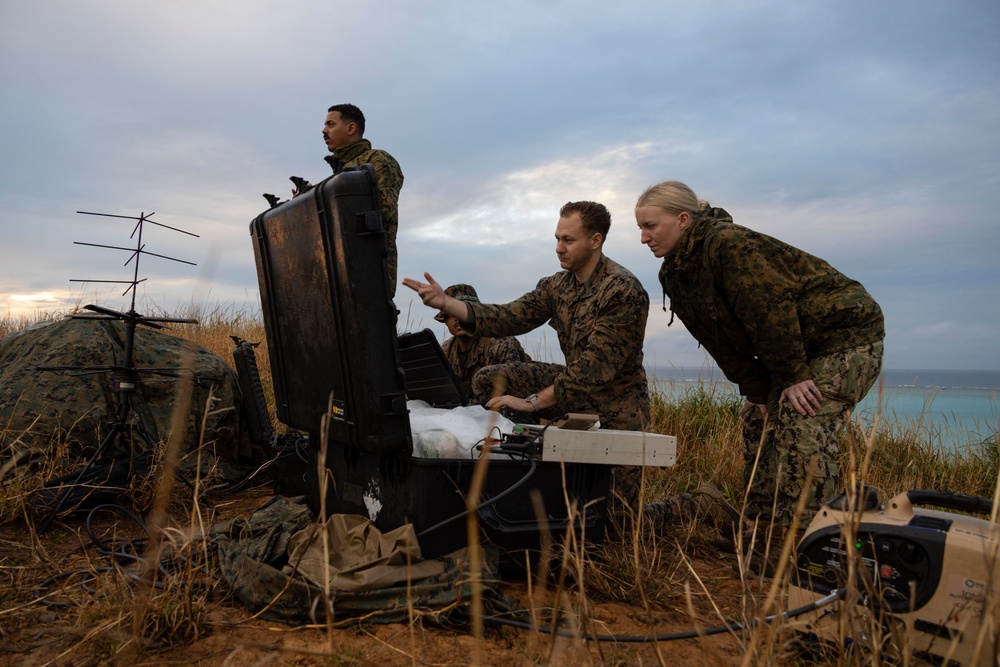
x,y
329,319
342,375
429,377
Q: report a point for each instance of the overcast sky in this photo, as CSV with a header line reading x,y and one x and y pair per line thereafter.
x,y
867,133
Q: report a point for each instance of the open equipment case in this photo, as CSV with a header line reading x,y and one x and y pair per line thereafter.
x,y
343,375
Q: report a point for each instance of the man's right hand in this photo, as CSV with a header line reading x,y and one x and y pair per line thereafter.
x,y
431,293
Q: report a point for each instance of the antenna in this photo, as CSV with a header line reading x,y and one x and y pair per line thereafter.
x,y
125,377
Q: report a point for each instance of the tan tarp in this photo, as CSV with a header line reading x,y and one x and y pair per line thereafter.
x,y
356,556
254,557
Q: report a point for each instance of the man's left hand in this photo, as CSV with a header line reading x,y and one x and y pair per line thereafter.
x,y
499,402
805,397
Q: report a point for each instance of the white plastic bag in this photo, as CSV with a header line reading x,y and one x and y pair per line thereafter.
x,y
451,434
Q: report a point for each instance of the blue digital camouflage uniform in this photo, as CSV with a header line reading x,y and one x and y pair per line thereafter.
x,y
390,182
601,325
771,316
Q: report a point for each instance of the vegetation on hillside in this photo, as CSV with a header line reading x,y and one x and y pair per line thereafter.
x,y
121,618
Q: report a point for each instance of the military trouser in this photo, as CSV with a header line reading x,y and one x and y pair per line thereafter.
x,y
518,378
791,441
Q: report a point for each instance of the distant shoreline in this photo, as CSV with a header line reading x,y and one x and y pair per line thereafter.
x,y
959,407
984,380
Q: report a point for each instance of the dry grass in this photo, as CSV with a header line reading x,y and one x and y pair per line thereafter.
x,y
132,611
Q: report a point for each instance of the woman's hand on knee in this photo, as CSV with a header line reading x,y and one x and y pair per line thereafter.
x,y
805,397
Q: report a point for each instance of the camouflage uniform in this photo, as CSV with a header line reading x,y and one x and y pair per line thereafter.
x,y
74,406
772,316
601,325
390,181
255,556
792,440
484,351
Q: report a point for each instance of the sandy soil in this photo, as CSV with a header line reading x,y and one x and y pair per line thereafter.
x,y
33,633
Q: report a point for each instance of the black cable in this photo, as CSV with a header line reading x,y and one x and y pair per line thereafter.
x,y
134,545
503,494
302,448
482,442
687,634
520,451
129,552
86,575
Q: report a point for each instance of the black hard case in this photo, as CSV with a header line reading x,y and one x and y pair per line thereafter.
x,y
429,376
329,317
331,330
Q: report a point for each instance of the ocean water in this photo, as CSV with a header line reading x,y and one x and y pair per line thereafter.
x,y
955,407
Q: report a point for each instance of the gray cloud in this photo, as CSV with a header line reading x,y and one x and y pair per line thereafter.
x,y
864,133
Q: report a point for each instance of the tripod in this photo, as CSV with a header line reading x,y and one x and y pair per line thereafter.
x,y
125,379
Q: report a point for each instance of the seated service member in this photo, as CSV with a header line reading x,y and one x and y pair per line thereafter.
x,y
467,352
598,309
802,340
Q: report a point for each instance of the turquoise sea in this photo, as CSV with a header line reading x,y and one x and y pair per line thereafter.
x,y
955,407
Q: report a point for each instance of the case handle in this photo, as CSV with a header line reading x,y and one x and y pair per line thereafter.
x,y
951,500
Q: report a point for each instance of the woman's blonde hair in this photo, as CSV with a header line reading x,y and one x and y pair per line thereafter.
x,y
672,196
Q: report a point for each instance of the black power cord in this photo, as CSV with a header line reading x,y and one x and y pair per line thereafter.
x,y
514,450
500,496
124,553
673,636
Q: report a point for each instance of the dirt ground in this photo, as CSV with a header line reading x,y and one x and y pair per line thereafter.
x,y
703,589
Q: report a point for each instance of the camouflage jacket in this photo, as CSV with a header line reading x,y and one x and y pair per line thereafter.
x,y
601,325
390,182
761,307
484,352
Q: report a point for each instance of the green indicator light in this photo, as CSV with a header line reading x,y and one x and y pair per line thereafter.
x,y
857,545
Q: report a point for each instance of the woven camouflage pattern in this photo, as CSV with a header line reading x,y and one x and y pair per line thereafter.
x,y
461,292
792,441
676,510
390,182
762,308
71,410
772,316
484,352
601,325
253,558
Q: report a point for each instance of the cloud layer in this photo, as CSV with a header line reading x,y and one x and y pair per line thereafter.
x,y
866,134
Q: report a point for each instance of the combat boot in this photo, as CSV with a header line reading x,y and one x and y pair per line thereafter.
x,y
714,509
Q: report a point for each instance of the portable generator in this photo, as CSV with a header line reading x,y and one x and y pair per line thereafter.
x,y
913,581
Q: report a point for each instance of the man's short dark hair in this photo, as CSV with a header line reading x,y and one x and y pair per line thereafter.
x,y
351,113
596,218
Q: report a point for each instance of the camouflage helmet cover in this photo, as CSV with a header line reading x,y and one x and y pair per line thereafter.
x,y
462,292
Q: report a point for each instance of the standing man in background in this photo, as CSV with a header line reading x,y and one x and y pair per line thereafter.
x,y
343,133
